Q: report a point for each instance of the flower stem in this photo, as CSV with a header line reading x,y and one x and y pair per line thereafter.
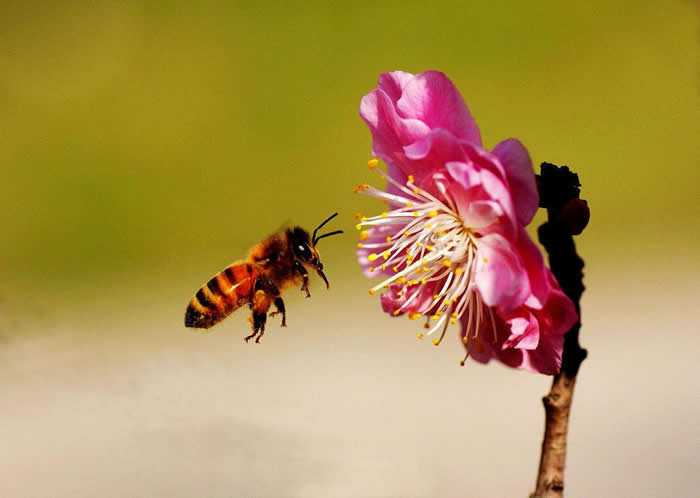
x,y
567,216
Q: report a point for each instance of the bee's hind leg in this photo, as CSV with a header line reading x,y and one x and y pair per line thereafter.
x,y
261,304
259,319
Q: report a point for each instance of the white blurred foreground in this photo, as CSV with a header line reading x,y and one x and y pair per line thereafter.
x,y
340,405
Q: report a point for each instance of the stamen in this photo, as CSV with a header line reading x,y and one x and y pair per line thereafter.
x,y
466,357
428,239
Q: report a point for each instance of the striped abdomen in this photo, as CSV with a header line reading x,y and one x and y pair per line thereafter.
x,y
223,294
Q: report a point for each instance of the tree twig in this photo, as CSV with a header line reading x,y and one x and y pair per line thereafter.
x,y
567,215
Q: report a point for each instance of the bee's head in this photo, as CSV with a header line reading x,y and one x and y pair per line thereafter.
x,y
304,246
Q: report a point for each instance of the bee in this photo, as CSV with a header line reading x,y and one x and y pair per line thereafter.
x,y
283,259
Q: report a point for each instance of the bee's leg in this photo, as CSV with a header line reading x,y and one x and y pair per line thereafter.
x,y
304,275
261,304
279,304
259,320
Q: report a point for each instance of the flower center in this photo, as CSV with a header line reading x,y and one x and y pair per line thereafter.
x,y
427,245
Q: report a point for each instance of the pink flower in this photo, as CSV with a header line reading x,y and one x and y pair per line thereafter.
x,y
452,245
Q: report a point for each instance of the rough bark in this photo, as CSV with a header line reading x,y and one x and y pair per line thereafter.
x,y
567,216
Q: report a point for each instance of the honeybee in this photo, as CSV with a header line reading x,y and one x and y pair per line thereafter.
x,y
281,260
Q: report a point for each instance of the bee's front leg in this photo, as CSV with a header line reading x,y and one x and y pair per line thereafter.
x,y
305,277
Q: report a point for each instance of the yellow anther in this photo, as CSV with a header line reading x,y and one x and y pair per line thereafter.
x,y
454,299
436,341
408,204
371,292
485,260
388,239
359,246
396,312
400,293
364,218
358,227
436,297
425,268
428,225
406,234
453,321
395,268
465,339
371,269
385,214
416,190
418,270
429,248
433,213
386,255
442,232
454,315
415,214
458,270
422,261
372,163
418,243
435,316
413,315
361,187
364,235
410,178
419,335
402,280
446,263
383,266
422,281
372,257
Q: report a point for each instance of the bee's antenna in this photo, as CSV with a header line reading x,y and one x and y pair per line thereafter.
x,y
327,235
313,237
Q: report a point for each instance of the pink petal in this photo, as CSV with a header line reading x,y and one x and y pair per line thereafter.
x,y
432,98
499,277
524,331
559,313
515,159
481,214
497,189
537,272
433,151
463,173
390,133
393,83
546,359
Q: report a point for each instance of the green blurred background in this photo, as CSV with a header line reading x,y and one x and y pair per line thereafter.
x,y
144,147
